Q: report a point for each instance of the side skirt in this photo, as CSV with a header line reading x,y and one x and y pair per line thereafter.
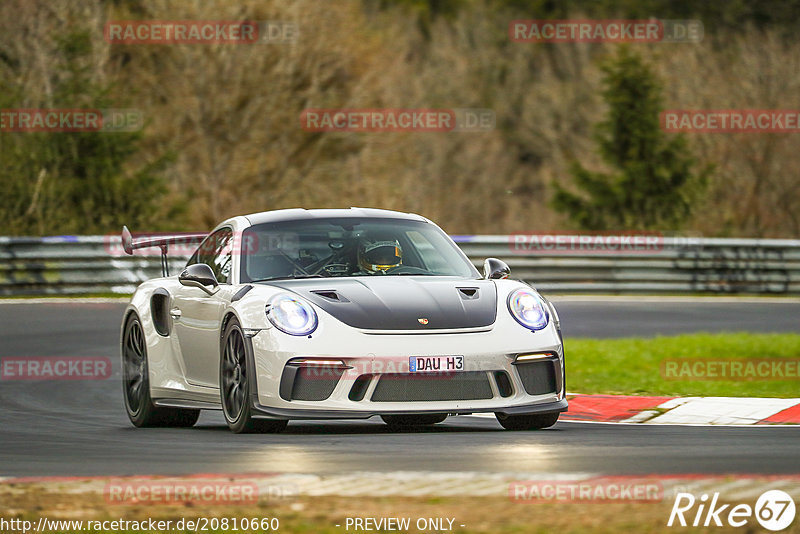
x,y
187,404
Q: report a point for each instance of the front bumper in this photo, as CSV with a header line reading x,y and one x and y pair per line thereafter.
x,y
487,353
263,412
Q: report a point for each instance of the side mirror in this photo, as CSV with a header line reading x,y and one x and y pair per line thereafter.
x,y
494,269
199,275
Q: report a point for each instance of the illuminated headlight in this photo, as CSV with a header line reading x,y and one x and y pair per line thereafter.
x,y
291,315
528,308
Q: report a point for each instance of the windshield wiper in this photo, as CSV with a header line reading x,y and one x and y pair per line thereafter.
x,y
293,277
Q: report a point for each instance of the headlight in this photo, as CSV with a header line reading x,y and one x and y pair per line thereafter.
x,y
291,315
528,308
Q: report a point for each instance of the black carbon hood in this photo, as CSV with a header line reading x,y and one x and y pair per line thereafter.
x,y
401,302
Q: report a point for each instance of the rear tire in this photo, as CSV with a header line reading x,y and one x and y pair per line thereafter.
x,y
234,385
527,422
413,420
136,385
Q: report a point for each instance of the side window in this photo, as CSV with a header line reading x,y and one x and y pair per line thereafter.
x,y
223,261
216,252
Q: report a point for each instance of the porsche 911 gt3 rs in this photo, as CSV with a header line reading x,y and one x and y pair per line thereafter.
x,y
336,314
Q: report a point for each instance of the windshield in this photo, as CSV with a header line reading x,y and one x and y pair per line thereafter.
x,y
349,247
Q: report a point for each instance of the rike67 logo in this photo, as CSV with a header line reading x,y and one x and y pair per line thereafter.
x,y
774,510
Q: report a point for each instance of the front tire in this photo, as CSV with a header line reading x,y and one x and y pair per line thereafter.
x,y
527,422
136,385
413,420
234,385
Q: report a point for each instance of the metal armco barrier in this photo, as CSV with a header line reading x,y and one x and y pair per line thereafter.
x,y
74,265
644,264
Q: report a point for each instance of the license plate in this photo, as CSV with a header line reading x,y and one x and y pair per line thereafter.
x,y
434,364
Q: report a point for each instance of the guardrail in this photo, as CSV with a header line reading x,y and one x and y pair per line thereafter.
x,y
74,265
658,265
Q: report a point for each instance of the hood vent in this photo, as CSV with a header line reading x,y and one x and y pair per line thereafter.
x,y
468,293
398,302
330,295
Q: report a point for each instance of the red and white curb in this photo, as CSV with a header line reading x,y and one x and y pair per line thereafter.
x,y
682,410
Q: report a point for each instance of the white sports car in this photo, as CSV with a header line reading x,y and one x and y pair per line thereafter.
x,y
323,314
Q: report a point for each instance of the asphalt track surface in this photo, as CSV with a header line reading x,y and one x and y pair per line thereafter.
x,y
80,428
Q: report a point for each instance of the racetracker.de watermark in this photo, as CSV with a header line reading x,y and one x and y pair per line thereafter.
x,y
600,243
731,369
605,31
403,368
730,120
181,492
603,489
200,32
70,120
397,120
187,243
55,368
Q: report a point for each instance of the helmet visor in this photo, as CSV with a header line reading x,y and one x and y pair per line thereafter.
x,y
383,255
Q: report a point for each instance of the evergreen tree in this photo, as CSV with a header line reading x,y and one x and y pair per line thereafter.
x,y
75,182
652,184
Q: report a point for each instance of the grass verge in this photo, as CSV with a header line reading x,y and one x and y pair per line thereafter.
x,y
320,515
637,366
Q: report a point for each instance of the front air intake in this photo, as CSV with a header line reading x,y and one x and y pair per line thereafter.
x,y
416,387
359,389
538,377
309,383
503,382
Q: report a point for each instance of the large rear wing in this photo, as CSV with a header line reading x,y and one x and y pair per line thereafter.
x,y
162,242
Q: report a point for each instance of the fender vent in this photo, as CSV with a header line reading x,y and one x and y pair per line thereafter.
x,y
241,293
159,309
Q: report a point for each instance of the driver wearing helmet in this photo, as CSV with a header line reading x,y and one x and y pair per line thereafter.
x,y
379,256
